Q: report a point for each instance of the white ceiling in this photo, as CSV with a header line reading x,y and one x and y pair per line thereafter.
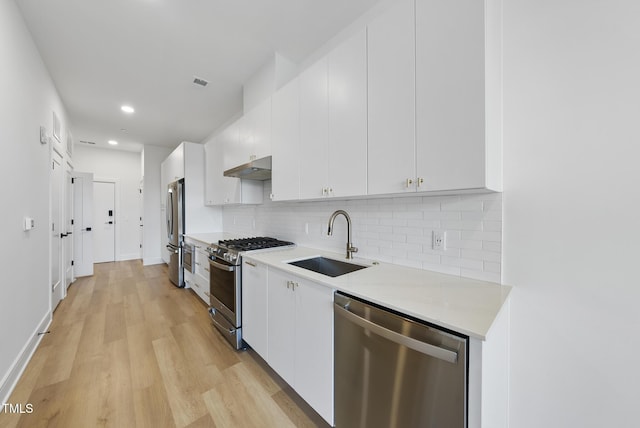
x,y
145,53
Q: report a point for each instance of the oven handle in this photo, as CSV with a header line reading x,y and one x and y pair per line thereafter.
x,y
212,313
221,266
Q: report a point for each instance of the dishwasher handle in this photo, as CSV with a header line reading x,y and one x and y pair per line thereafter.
x,y
409,342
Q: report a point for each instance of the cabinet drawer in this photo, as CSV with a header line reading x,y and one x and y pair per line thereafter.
x,y
200,287
202,264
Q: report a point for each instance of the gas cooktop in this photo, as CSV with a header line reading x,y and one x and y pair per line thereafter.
x,y
250,244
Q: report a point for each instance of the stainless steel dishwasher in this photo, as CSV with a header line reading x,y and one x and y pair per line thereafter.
x,y
392,371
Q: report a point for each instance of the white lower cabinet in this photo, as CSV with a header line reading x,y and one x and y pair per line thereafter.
x,y
301,338
313,353
254,306
198,280
293,333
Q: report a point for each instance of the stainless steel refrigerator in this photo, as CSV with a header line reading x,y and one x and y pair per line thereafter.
x,y
175,230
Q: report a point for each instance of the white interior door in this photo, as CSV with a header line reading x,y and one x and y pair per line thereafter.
x,y
141,207
83,223
57,290
104,236
68,222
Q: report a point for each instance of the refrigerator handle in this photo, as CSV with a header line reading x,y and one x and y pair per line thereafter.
x,y
169,213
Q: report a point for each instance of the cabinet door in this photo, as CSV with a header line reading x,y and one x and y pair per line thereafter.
x,y
254,306
219,189
314,346
280,301
313,131
231,151
202,265
174,168
285,174
259,131
450,91
391,93
233,143
347,86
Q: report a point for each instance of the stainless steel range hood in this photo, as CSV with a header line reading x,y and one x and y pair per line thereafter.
x,y
259,169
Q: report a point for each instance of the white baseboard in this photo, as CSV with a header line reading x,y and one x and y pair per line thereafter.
x,y
133,256
17,368
152,261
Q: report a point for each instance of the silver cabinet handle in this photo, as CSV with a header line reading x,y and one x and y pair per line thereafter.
x,y
409,182
251,263
416,345
420,181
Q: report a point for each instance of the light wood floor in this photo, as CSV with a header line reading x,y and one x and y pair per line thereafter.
x,y
128,349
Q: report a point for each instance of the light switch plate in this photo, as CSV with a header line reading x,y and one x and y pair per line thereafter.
x,y
29,223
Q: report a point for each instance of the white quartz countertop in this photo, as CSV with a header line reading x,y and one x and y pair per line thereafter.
x,y
211,237
464,305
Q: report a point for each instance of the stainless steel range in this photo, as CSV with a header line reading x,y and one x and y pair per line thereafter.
x,y
225,282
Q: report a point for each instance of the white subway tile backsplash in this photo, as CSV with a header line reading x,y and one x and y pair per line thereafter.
x,y
459,204
395,230
492,246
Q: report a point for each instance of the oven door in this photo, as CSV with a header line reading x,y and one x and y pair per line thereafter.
x,y
187,257
224,286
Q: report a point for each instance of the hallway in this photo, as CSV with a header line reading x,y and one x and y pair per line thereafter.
x,y
128,349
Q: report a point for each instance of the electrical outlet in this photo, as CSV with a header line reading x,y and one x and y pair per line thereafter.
x,y
439,240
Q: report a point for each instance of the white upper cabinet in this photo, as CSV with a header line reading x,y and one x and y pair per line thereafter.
x,y
219,189
347,89
232,147
285,175
173,166
253,139
333,123
258,131
391,92
434,97
455,150
314,131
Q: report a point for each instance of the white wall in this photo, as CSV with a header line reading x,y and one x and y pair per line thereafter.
x,y
396,230
125,167
152,157
27,102
572,211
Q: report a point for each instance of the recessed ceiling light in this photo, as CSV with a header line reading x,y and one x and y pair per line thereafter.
x,y
113,142
127,109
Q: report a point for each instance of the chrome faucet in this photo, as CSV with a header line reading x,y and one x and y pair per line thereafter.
x,y
350,248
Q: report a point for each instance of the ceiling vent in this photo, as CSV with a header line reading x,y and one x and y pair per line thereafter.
x,y
199,81
87,142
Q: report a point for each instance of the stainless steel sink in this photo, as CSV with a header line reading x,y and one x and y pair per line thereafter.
x,y
325,266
